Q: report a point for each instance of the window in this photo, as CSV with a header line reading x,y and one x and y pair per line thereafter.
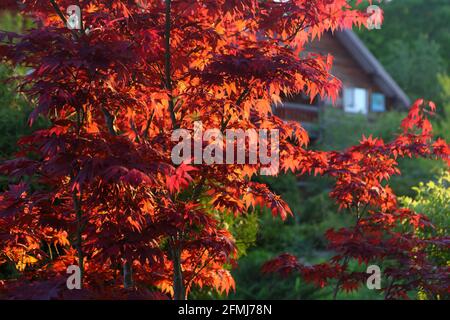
x,y
355,100
378,102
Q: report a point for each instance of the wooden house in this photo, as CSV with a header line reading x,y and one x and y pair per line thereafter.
x,y
366,86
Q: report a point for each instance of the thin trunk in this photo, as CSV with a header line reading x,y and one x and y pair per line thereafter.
x,y
388,290
127,275
359,215
336,289
167,65
76,200
79,244
179,291
339,282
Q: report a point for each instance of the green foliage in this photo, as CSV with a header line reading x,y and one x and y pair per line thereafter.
x,y
443,124
13,114
251,284
14,108
433,199
244,228
301,234
407,20
413,45
14,111
341,130
14,22
415,66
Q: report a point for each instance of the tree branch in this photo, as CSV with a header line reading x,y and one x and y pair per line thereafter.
x,y
200,270
167,65
147,127
109,118
63,17
339,282
79,216
58,11
240,99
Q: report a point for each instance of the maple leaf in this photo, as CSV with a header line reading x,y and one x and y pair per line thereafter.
x,y
181,178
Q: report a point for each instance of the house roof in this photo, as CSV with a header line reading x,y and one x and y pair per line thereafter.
x,y
372,66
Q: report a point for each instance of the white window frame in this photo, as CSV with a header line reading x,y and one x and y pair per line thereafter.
x,y
355,100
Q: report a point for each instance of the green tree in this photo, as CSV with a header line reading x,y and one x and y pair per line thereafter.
x,y
415,66
406,20
433,198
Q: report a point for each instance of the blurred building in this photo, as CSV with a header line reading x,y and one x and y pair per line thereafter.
x,y
366,85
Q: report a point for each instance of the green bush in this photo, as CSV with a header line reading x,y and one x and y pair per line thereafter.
x,y
433,200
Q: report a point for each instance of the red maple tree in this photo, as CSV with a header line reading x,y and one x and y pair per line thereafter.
x,y
383,233
98,188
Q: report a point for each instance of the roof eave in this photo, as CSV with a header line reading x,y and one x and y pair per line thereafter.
x,y
372,66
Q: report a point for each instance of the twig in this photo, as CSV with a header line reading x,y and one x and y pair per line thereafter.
x,y
62,17
109,121
167,66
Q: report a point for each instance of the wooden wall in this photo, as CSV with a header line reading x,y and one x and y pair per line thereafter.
x,y
345,68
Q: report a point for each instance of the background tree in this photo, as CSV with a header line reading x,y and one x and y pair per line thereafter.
x,y
408,20
413,45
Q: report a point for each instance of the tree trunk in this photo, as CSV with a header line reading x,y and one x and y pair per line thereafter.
x,y
179,292
167,64
127,275
79,241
